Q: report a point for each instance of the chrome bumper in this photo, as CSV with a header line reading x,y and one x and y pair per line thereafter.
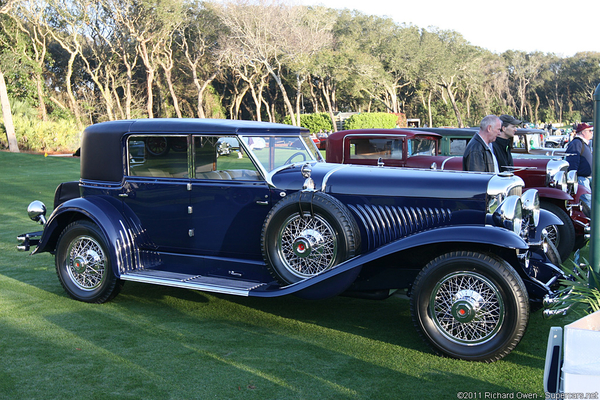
x,y
27,240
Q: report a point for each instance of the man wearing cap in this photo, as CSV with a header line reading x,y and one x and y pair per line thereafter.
x,y
478,155
580,158
504,142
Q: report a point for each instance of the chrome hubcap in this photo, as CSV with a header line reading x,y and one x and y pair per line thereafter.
x,y
466,305
310,240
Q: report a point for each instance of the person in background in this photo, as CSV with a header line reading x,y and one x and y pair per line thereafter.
x,y
478,154
580,159
504,142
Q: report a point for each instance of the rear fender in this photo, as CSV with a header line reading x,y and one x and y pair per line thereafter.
x,y
106,213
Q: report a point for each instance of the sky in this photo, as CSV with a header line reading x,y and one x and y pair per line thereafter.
x,y
562,27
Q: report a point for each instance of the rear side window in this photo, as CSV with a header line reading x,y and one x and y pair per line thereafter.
x,y
421,147
458,146
158,156
374,148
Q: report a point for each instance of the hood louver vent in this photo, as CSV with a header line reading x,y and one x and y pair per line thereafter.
x,y
384,224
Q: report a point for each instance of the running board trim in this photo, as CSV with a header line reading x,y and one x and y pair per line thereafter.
x,y
194,282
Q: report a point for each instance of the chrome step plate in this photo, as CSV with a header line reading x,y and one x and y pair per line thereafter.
x,y
195,282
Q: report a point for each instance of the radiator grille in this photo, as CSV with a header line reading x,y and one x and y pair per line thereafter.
x,y
384,224
518,190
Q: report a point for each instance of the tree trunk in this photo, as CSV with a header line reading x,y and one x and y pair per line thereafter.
x,y
69,87
8,122
286,99
429,112
454,106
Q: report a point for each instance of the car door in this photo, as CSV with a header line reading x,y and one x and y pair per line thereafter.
x,y
229,202
157,191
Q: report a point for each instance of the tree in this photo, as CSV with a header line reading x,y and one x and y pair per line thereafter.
x,y
523,68
5,104
28,16
198,40
6,113
270,34
149,23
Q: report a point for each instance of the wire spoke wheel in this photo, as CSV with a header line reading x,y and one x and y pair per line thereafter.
x,y
83,263
470,305
307,245
86,263
467,308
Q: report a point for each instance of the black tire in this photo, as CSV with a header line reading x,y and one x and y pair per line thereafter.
x,y
562,236
470,306
83,264
307,233
551,251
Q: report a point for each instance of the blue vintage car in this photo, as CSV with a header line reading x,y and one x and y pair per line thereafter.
x,y
275,220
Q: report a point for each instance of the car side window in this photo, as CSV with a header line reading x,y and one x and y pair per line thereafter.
x,y
458,146
373,149
157,156
222,158
421,147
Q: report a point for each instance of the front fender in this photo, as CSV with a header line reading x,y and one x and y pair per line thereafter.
x,y
546,219
107,214
552,193
345,272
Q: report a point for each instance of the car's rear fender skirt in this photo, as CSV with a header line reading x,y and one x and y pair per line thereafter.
x,y
105,212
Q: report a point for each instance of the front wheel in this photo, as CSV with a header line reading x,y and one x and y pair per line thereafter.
x,y
83,264
562,236
470,306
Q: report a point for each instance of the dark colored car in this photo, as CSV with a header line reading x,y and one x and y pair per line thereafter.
x,y
442,148
277,220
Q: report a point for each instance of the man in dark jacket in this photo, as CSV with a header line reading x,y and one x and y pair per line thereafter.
x,y
580,158
478,155
504,142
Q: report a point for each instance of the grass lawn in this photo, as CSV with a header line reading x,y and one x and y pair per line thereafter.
x,y
155,342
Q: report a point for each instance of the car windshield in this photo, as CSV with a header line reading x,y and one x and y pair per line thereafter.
x,y
275,151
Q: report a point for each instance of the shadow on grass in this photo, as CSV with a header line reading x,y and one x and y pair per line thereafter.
x,y
190,344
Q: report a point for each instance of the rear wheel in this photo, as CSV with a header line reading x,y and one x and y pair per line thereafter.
x,y
83,264
470,306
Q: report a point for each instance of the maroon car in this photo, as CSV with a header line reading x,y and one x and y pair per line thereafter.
x,y
442,148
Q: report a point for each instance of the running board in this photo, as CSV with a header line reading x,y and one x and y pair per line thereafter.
x,y
195,282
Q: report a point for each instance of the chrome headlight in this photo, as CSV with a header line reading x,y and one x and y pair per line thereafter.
x,y
531,206
500,187
510,214
553,167
559,181
572,182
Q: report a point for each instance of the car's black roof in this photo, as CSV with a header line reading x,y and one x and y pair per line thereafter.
x,y
102,144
